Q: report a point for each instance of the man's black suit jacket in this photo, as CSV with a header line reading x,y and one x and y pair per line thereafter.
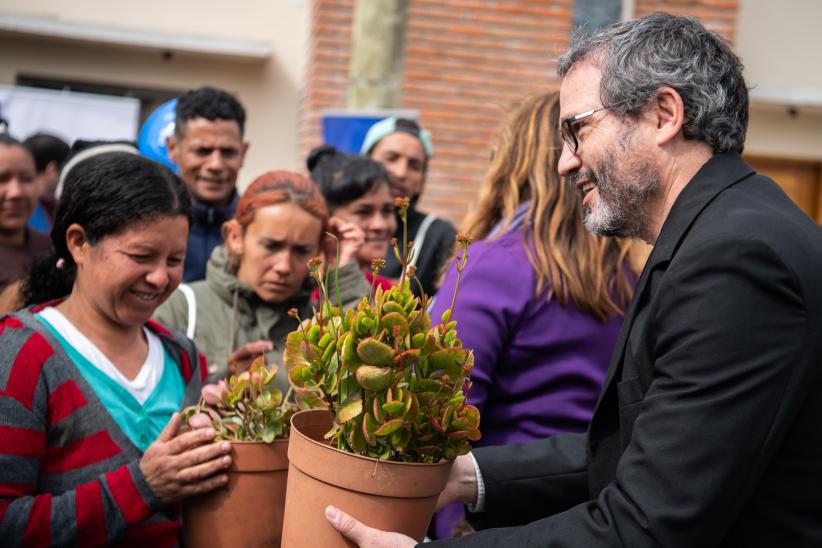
x,y
708,431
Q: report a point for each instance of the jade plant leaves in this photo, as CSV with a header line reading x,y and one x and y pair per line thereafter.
x,y
249,407
397,385
449,360
350,409
374,352
374,378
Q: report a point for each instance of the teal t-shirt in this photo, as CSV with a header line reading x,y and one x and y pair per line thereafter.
x,y
142,423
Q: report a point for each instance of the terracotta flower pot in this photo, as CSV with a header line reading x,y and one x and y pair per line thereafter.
x,y
249,510
392,496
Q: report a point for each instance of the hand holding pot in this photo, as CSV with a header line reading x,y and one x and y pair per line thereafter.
x,y
177,467
362,535
462,483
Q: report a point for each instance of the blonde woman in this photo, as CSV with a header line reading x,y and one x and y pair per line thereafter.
x,y
541,300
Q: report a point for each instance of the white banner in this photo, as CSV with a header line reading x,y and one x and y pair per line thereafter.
x,y
69,115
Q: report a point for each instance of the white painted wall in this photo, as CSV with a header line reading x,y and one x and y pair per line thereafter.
x,y
269,90
780,44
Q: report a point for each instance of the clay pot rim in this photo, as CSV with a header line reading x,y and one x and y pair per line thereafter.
x,y
255,442
295,430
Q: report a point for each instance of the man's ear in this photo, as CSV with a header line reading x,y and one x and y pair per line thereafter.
x,y
243,151
52,169
669,111
77,243
171,147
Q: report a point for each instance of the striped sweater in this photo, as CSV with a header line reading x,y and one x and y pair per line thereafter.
x,y
68,473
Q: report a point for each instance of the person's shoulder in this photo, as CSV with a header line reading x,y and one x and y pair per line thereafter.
x,y
443,226
22,338
501,259
758,210
509,246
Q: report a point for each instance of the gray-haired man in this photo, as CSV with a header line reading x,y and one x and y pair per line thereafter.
x,y
707,429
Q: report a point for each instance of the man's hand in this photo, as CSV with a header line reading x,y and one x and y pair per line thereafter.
x,y
362,535
241,359
462,483
350,238
177,467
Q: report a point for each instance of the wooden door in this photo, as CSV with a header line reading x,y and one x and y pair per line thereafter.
x,y
801,180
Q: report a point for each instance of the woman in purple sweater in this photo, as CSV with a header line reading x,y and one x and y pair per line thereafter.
x,y
541,299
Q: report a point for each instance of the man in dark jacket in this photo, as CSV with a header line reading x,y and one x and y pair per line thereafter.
x,y
209,150
707,430
404,148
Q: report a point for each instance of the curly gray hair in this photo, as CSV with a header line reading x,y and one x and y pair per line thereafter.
x,y
638,57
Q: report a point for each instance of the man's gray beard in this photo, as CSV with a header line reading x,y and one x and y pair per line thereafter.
x,y
622,207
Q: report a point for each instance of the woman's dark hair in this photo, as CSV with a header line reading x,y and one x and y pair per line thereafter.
x,y
105,194
343,178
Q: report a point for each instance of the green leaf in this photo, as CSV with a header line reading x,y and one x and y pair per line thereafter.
x,y
449,360
374,378
374,352
395,323
356,439
349,410
389,427
350,358
307,399
369,428
391,306
292,355
393,406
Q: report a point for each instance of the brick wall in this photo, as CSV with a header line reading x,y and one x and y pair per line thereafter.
x,y
465,62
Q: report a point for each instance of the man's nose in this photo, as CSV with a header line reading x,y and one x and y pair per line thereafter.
x,y
215,161
400,170
568,161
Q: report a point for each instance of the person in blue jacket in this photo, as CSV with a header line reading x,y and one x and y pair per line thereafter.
x,y
208,148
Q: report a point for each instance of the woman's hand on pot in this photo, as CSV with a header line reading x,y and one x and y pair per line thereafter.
x,y
462,483
350,239
180,466
241,359
362,535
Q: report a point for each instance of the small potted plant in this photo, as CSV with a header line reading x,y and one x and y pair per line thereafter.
x,y
248,411
391,390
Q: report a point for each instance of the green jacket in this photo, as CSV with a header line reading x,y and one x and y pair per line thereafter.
x,y
254,319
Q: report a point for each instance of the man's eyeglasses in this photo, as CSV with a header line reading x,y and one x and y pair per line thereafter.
x,y
569,134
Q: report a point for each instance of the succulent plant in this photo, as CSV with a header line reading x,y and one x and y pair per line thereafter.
x,y
396,384
246,407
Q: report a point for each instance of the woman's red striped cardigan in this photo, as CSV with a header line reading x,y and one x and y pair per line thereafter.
x,y
68,473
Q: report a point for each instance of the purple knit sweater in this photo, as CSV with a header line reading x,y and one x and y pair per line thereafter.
x,y
538,367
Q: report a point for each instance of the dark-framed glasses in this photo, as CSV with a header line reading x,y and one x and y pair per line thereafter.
x,y
567,126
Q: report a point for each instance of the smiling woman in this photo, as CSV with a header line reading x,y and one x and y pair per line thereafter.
x,y
241,309
18,198
91,448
